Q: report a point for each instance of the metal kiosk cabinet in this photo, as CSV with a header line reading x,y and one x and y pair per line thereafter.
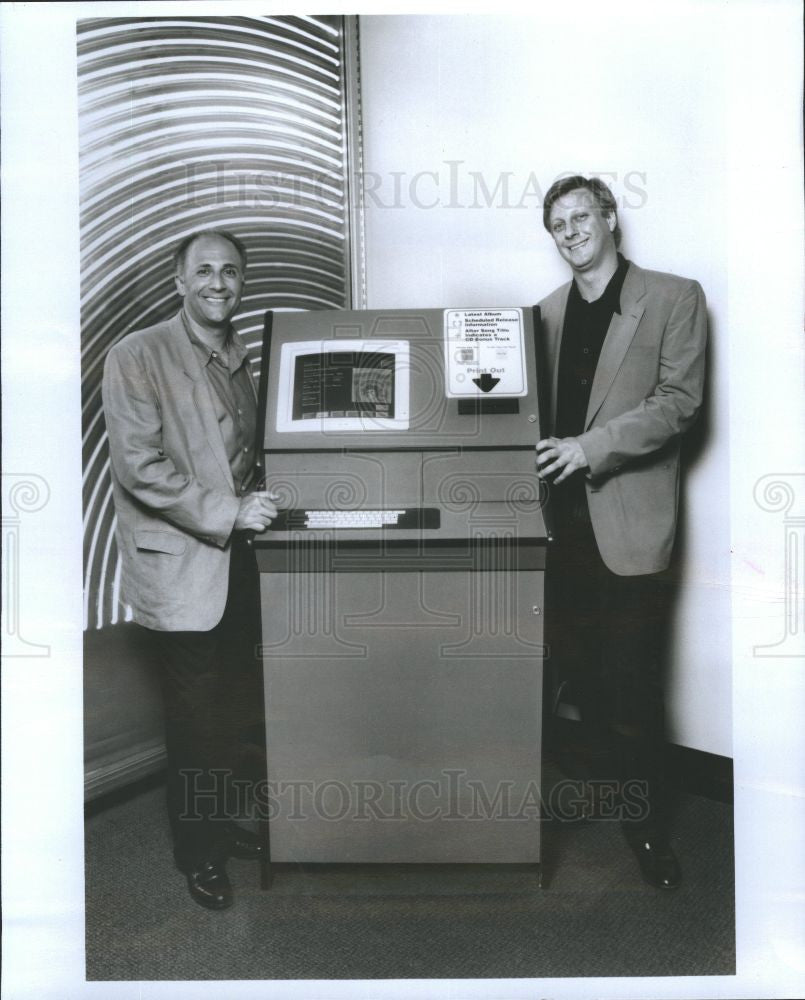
x,y
402,586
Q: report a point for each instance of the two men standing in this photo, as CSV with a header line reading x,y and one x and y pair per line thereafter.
x,y
625,362
625,353
180,407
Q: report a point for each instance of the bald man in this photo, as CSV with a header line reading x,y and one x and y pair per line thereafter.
x,y
180,407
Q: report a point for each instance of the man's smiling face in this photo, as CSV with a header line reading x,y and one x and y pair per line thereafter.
x,y
582,232
211,282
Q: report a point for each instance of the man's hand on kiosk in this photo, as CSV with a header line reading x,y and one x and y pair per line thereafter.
x,y
257,511
559,455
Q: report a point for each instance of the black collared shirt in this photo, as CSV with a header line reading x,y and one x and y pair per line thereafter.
x,y
227,373
583,334
586,325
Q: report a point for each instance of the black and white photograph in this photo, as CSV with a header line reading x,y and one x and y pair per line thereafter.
x,y
403,501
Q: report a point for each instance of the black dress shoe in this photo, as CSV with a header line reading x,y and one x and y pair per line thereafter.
x,y
209,885
244,844
657,861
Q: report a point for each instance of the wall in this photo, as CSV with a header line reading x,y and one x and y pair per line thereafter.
x,y
468,120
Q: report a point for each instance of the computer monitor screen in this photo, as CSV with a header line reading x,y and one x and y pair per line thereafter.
x,y
344,385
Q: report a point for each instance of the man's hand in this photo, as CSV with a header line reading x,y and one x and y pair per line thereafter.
x,y
562,455
257,511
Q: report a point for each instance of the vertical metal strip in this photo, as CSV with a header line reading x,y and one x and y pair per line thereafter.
x,y
353,164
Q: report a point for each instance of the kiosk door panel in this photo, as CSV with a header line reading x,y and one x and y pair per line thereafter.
x,y
403,716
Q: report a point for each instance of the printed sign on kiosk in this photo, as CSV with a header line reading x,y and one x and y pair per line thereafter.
x,y
484,352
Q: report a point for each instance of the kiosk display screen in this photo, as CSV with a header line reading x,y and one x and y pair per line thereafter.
x,y
344,385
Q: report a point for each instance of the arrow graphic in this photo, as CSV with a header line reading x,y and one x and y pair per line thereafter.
x,y
486,383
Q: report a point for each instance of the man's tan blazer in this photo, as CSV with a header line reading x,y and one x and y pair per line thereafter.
x,y
174,494
647,390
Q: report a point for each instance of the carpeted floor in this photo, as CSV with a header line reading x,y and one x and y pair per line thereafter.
x,y
593,917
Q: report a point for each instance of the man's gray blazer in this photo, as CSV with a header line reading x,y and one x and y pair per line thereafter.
x,y
647,390
174,494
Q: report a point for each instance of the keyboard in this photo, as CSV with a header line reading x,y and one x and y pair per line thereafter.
x,y
352,518
297,519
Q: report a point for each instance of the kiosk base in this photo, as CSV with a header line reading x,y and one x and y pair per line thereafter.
x,y
403,716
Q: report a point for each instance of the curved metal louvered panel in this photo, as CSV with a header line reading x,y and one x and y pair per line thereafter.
x,y
189,123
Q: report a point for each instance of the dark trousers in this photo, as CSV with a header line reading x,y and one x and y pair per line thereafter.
x,y
607,636
214,717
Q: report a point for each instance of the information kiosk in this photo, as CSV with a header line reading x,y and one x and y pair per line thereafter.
x,y
402,586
